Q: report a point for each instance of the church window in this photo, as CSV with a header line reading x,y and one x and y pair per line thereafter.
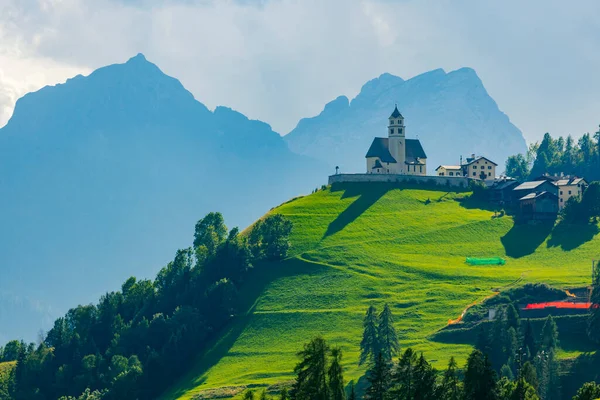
x,y
400,130
489,167
420,168
474,173
451,174
392,130
442,174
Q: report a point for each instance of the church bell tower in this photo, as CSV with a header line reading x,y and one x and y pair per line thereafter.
x,y
397,142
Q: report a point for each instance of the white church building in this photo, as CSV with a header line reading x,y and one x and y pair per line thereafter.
x,y
395,154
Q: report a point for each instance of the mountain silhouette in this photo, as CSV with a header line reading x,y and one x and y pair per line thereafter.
x,y
450,113
104,176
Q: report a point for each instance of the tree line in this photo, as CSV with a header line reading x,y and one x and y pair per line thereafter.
x,y
554,156
135,342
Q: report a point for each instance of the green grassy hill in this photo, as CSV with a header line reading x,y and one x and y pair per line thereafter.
x,y
357,245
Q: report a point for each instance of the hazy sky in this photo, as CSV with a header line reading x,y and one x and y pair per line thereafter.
x,y
281,60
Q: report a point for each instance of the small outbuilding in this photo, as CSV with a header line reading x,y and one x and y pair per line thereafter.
x,y
526,188
538,206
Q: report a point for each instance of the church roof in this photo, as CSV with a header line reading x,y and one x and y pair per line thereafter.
x,y
414,150
396,113
380,148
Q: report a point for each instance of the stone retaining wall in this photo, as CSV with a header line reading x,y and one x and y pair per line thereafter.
x,y
453,181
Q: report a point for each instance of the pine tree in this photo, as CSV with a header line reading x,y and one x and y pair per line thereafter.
x,y
335,375
386,334
593,328
379,379
524,391
352,392
311,372
404,379
450,388
512,318
498,339
480,378
506,372
529,374
284,394
424,380
369,346
549,335
249,395
511,346
263,395
529,343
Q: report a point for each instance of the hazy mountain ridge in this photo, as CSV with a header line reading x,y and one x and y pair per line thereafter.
x,y
103,177
451,113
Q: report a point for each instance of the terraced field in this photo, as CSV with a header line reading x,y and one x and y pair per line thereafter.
x,y
357,245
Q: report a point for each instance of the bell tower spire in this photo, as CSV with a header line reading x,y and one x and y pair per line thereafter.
x,y
396,139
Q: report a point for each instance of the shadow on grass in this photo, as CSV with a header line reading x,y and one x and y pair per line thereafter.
x,y
569,237
585,368
523,240
220,346
471,202
367,196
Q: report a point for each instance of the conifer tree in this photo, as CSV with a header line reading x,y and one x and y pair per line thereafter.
x,y
379,379
369,347
311,372
404,378
524,391
529,374
480,378
450,388
549,335
284,394
529,343
424,380
336,376
386,334
593,328
249,395
352,392
506,372
511,346
512,318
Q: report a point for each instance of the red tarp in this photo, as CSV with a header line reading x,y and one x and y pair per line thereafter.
x,y
558,304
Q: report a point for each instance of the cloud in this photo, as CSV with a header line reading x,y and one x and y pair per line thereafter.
x,y
281,60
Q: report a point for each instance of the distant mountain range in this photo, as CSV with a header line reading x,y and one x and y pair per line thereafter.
x,y
103,177
451,113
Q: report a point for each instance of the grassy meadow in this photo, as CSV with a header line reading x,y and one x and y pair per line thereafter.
x,y
360,244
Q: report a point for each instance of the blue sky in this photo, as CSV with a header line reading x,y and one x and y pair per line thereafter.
x,y
281,60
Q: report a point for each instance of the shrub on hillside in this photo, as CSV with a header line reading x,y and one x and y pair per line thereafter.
x,y
269,238
581,210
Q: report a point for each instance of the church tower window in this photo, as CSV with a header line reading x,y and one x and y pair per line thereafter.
x,y
392,130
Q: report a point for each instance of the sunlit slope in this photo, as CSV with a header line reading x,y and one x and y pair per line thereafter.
x,y
368,244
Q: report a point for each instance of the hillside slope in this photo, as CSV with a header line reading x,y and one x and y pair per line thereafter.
x,y
451,113
357,245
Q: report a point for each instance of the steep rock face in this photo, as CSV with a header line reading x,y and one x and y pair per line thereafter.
x,y
104,176
451,113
